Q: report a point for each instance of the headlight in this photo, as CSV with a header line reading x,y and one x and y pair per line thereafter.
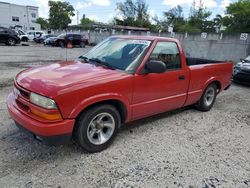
x,y
42,101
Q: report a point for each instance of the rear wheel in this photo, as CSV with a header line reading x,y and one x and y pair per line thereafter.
x,y
61,44
97,127
82,44
207,100
11,42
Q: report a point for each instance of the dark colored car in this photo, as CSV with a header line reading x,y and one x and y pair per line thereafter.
x,y
8,36
49,41
241,73
75,39
43,38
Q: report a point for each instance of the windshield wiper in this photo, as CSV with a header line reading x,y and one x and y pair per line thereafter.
x,y
84,58
100,62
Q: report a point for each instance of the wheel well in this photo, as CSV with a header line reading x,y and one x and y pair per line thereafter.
x,y
11,38
24,38
218,84
116,103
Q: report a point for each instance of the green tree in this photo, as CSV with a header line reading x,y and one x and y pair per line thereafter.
x,y
59,14
43,22
237,17
86,22
198,20
174,18
218,22
134,13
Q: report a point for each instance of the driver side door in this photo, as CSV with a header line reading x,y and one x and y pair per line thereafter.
x,y
159,92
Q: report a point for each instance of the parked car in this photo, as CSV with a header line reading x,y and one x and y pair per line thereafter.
x,y
9,36
34,34
42,38
23,37
241,73
49,40
122,79
75,39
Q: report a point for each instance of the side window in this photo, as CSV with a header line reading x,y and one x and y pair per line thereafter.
x,y
15,19
2,31
168,53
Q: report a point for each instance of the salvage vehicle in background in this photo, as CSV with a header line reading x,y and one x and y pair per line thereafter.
x,y
122,79
34,34
43,38
23,37
49,41
241,73
9,36
75,39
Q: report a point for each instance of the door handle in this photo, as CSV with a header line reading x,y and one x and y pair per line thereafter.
x,y
181,77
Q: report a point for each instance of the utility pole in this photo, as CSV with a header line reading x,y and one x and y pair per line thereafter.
x,y
77,17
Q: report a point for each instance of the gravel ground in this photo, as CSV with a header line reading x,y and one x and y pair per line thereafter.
x,y
183,148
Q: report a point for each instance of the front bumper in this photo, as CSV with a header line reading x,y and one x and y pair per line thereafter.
x,y
45,131
242,77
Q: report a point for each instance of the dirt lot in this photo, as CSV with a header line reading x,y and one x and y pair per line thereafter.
x,y
184,148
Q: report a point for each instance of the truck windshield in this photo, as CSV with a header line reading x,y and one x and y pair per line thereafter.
x,y
118,53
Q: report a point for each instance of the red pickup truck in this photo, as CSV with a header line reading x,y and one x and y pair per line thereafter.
x,y
122,79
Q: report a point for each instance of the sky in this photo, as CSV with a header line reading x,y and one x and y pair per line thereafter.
x,y
105,10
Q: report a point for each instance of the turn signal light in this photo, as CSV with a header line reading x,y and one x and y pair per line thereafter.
x,y
43,115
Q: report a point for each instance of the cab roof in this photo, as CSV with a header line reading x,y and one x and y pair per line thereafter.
x,y
145,37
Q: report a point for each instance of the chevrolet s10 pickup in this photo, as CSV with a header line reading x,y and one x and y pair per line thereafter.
x,y
122,79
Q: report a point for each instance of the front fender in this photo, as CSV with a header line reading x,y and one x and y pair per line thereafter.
x,y
101,98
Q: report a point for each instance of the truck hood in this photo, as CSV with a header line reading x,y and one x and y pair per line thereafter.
x,y
58,78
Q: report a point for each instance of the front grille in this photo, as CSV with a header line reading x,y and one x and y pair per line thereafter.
x,y
24,93
22,97
22,106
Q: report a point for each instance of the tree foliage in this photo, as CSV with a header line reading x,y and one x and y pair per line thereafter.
x,y
59,14
198,20
86,23
43,22
134,13
174,18
237,17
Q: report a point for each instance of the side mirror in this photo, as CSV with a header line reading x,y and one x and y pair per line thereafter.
x,y
154,66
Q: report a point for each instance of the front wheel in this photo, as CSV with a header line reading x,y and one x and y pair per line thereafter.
x,y
11,42
207,100
97,127
61,44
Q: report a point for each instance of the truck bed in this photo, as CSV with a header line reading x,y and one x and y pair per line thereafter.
x,y
198,61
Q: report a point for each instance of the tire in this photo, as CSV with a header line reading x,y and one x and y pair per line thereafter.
x,y
82,45
91,133
11,42
207,100
61,44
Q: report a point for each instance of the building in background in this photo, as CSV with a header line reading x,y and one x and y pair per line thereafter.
x,y
18,16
